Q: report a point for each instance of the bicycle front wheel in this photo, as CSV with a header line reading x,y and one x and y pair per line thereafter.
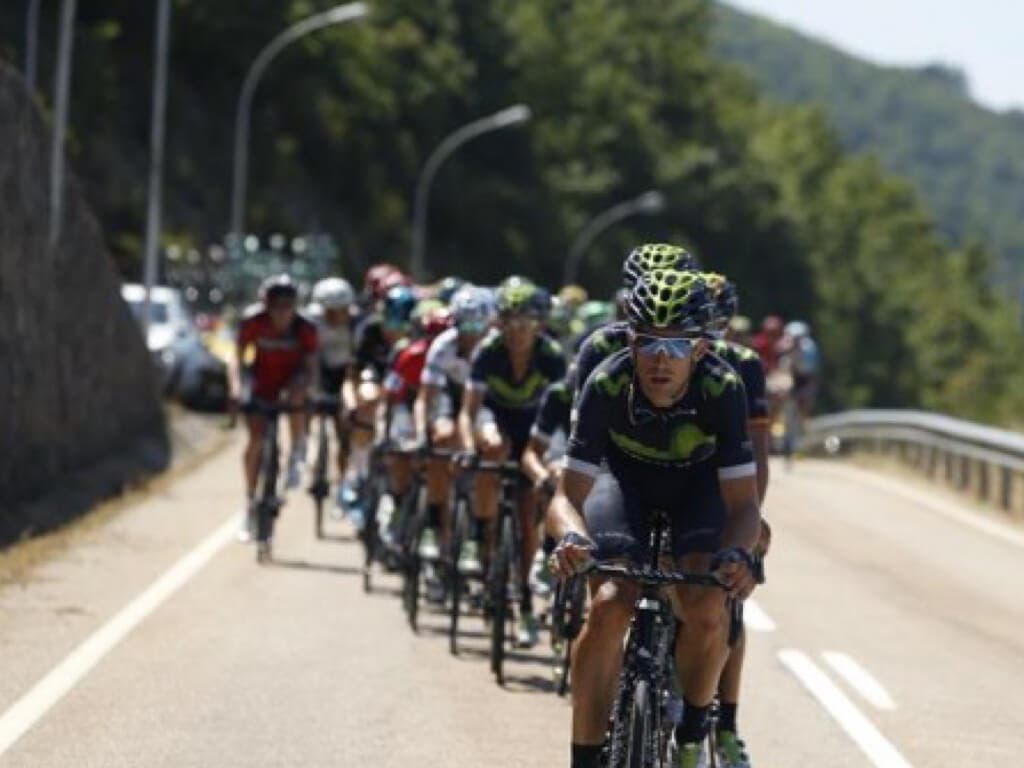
x,y
641,750
500,606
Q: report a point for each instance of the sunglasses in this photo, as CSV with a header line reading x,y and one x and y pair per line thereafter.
x,y
473,327
675,347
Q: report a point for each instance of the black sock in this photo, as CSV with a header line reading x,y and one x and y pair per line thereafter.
x,y
694,727
549,545
727,717
586,755
526,599
434,516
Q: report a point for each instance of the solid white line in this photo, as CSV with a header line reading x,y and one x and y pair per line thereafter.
x,y
755,618
872,743
976,520
860,679
47,692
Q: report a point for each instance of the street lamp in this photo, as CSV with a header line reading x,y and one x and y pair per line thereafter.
x,y
156,163
648,203
31,43
514,115
61,90
337,15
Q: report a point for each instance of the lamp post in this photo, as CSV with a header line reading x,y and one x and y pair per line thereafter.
x,y
156,161
514,115
337,15
61,90
648,203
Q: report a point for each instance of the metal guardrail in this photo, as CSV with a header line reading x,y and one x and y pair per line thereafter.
x,y
983,461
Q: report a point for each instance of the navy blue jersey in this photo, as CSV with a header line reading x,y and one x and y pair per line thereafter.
x,y
661,452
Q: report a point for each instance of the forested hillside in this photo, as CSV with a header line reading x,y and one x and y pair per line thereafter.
x,y
967,162
626,97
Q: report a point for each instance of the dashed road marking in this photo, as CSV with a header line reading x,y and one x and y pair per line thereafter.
x,y
860,679
756,619
32,706
879,750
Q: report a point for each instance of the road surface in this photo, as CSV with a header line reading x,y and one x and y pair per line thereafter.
x,y
890,633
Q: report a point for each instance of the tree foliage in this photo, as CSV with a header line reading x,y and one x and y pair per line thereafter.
x,y
626,98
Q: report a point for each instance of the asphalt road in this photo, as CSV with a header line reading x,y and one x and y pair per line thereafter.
x,y
890,633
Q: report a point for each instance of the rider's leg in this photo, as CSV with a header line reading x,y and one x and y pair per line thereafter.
x,y
443,437
701,650
530,542
363,429
256,426
298,420
597,659
729,685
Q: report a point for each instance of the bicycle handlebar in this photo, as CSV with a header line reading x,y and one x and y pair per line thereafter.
x,y
652,578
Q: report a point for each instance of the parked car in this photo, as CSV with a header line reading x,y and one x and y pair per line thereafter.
x,y
189,372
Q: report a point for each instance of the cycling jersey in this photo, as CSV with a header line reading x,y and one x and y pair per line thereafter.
x,y
403,380
668,459
747,363
336,341
372,348
554,411
514,403
613,337
445,367
279,357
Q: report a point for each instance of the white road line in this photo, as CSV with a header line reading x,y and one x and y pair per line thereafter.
x,y
872,743
756,619
860,679
976,520
28,710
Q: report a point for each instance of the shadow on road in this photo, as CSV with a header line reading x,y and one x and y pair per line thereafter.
x,y
340,538
305,565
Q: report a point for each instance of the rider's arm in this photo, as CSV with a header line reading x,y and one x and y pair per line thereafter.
x,y
737,469
242,342
565,513
424,400
533,459
472,399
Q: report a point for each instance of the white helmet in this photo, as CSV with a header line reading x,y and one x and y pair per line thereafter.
x,y
333,293
471,304
797,329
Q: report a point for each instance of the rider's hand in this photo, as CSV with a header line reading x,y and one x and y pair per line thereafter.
x,y
465,459
735,568
572,555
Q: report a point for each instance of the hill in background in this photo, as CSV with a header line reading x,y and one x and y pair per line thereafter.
x,y
967,162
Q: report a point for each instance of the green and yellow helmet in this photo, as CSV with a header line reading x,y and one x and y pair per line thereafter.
x,y
671,299
518,296
651,256
724,295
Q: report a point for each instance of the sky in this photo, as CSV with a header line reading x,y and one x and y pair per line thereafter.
x,y
984,38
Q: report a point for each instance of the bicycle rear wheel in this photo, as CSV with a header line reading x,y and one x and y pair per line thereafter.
x,y
413,564
321,487
370,535
500,604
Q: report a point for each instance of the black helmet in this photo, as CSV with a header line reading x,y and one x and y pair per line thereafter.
x,y
724,295
278,286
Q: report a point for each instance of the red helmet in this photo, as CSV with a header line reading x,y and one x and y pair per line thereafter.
x,y
373,281
772,324
435,321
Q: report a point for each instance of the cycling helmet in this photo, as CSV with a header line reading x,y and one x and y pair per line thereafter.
x,y
373,281
435,320
671,299
448,287
573,295
394,279
772,324
727,300
472,304
797,329
399,302
650,256
560,317
333,293
518,296
278,286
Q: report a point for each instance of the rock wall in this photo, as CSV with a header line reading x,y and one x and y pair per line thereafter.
x,y
79,411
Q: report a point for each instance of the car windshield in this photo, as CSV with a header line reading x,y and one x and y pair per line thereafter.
x,y
158,311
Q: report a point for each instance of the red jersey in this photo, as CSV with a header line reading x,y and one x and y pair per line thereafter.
x,y
403,380
280,357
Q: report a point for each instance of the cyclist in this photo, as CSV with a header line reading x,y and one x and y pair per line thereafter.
x,y
332,313
800,355
439,399
376,338
542,463
510,369
670,422
281,348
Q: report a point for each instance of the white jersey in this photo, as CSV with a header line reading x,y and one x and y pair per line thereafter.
x,y
444,365
337,342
